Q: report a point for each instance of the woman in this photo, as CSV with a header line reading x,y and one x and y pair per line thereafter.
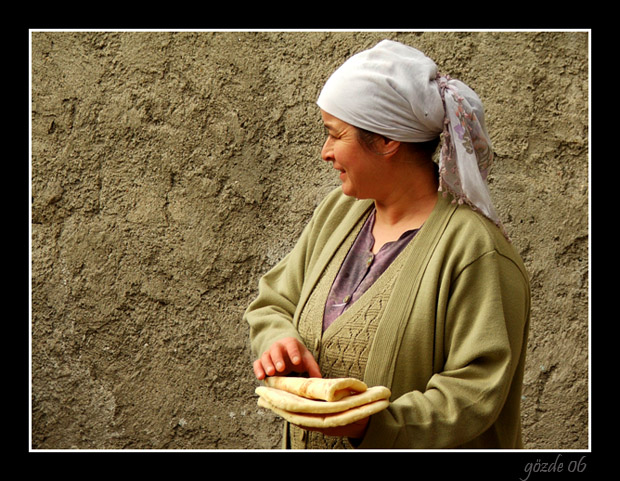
x,y
393,281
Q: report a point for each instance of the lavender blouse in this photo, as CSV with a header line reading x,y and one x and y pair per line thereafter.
x,y
360,269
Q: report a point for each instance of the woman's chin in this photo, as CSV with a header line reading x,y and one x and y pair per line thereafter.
x,y
346,190
349,191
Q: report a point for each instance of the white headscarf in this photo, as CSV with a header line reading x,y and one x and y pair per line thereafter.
x,y
395,90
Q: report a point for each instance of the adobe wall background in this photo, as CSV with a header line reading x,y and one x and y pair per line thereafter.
x,y
170,170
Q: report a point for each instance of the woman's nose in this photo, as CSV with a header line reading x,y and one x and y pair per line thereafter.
x,y
327,152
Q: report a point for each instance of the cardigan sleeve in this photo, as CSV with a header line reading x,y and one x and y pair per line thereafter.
x,y
485,328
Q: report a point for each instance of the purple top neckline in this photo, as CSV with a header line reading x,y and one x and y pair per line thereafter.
x,y
361,268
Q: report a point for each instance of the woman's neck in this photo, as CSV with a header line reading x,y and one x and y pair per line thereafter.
x,y
406,205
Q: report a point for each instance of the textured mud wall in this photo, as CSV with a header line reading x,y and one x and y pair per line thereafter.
x,y
171,169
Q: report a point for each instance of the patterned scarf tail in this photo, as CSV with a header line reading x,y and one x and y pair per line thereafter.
x,y
466,154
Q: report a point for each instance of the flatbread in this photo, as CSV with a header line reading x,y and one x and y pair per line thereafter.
x,y
316,387
292,402
327,420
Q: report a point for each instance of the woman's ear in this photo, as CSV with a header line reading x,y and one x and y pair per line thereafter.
x,y
378,144
387,147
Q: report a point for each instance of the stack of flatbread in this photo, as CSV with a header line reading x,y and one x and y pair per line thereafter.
x,y
321,403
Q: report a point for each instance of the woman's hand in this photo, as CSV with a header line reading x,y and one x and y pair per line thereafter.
x,y
285,356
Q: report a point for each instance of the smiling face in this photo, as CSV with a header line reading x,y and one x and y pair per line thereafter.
x,y
360,170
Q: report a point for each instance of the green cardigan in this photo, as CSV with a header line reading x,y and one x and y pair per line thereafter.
x,y
451,343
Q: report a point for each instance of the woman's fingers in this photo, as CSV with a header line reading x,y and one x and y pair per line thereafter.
x,y
285,356
290,351
268,363
259,372
310,365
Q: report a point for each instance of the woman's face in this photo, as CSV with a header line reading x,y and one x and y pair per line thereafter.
x,y
359,169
